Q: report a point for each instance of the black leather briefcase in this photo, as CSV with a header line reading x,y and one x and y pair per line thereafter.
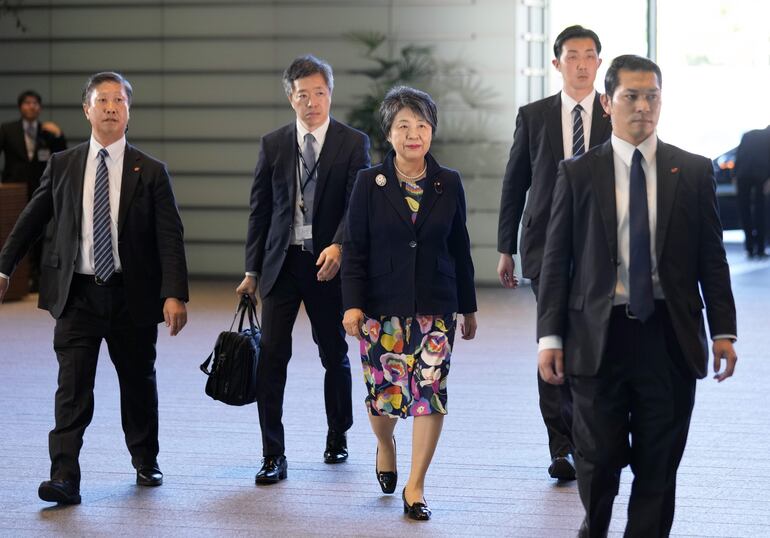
x,y
233,375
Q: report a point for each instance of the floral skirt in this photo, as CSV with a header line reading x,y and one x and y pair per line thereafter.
x,y
406,363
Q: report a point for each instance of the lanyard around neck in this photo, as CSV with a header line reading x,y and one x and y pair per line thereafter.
x,y
302,165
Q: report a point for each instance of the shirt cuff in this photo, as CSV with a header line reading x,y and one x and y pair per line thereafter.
x,y
731,337
251,273
551,341
3,275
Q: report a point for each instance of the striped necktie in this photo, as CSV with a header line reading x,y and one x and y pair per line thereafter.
x,y
104,265
578,139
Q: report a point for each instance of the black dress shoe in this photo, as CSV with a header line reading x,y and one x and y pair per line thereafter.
x,y
336,447
387,479
418,511
562,467
149,475
59,491
274,469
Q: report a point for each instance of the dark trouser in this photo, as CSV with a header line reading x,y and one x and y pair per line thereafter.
x,y
555,408
643,390
94,313
297,283
751,206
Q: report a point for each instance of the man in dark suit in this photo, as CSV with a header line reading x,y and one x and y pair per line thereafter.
x,y
113,269
634,234
27,144
302,184
547,131
752,168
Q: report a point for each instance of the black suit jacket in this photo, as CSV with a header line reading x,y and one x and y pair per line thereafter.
x,y
150,234
579,271
752,160
538,146
18,168
273,195
391,266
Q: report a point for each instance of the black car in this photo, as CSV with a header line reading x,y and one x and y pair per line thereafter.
x,y
724,172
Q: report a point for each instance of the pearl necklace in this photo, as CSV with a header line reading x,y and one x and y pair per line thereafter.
x,y
411,178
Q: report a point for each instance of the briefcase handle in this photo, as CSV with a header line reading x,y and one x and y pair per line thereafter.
x,y
245,306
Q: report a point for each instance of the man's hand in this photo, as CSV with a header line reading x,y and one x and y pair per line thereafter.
x,y
505,271
175,314
51,127
468,326
353,320
329,260
723,349
248,287
4,283
550,364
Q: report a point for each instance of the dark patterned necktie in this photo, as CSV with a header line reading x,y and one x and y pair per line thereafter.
x,y
641,300
104,265
308,194
578,138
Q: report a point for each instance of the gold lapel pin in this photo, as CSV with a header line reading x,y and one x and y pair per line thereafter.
x,y
380,180
136,169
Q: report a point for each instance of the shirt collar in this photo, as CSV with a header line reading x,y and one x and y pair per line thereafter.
x,y
625,150
26,124
319,133
568,103
115,150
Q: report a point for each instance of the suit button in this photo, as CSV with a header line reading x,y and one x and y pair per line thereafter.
x,y
412,244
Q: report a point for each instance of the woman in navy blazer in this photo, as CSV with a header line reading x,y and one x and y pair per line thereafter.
x,y
406,274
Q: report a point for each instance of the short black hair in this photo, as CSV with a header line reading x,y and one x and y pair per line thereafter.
x,y
29,93
106,76
628,62
575,32
305,66
417,101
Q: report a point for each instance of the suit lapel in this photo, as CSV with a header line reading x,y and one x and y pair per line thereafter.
x,y
603,175
431,193
552,121
289,162
76,170
600,124
329,151
393,191
668,177
132,170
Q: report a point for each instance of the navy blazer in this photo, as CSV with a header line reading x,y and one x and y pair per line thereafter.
x,y
274,192
391,266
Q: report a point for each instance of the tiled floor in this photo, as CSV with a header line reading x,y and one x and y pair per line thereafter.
x,y
488,476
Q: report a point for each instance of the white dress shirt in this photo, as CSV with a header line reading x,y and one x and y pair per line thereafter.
x,y
567,105
320,136
85,259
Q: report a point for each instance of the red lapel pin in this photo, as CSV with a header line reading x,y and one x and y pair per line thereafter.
x,y
136,168
674,170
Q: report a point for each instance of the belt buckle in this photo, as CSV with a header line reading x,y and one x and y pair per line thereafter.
x,y
99,282
629,315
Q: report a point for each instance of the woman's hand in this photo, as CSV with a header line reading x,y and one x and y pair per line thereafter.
x,y
468,326
354,318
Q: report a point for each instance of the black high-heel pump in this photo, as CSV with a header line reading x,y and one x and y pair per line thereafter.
x,y
387,479
418,511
